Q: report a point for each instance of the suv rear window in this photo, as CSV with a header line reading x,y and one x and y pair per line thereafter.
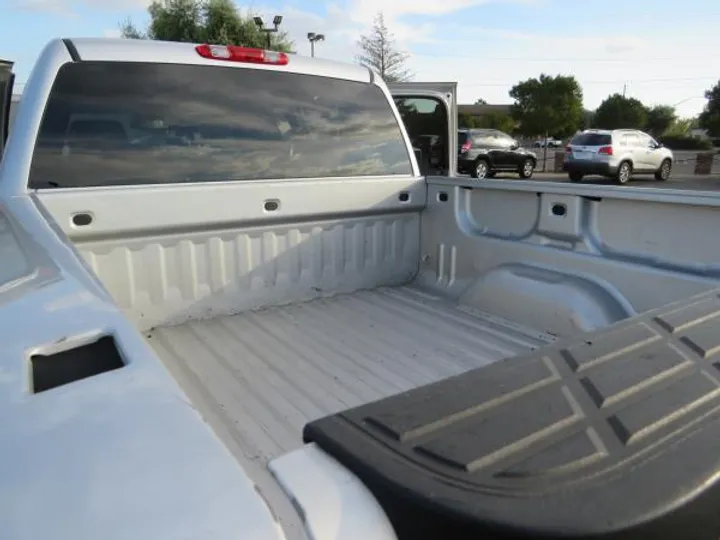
x,y
113,123
591,139
462,137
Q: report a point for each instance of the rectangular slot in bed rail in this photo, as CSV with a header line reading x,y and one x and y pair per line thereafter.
x,y
87,360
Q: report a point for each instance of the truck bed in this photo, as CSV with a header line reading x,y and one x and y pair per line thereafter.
x,y
258,377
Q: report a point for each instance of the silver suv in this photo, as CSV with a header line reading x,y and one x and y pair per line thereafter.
x,y
617,154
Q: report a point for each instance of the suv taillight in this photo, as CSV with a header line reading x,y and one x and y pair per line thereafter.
x,y
606,151
465,147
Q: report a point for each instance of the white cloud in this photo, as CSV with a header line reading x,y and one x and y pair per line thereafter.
x,y
68,7
654,69
363,11
343,26
340,37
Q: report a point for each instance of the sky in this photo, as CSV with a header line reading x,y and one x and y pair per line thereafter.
x,y
659,51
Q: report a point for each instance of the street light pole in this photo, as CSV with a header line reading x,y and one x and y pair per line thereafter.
x,y
277,20
313,38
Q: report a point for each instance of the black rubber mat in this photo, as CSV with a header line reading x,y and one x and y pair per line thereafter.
x,y
615,434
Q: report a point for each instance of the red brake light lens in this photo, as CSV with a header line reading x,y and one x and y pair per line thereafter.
x,y
233,53
606,151
466,146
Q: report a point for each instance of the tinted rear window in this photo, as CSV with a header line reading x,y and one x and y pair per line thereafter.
x,y
591,139
462,137
133,123
483,137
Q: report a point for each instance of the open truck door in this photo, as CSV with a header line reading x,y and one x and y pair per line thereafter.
x,y
6,85
429,111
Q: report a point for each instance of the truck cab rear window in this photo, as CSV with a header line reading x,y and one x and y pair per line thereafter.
x,y
113,123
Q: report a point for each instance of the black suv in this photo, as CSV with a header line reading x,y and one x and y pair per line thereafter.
x,y
484,152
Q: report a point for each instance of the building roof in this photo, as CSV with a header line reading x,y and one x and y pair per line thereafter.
x,y
480,110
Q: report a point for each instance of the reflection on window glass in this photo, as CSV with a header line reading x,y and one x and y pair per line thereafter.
x,y
645,140
133,123
426,123
482,137
504,139
423,117
632,139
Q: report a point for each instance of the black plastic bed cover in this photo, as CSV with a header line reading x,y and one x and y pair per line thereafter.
x,y
615,434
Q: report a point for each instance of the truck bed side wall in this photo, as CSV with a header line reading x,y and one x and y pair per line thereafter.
x,y
563,259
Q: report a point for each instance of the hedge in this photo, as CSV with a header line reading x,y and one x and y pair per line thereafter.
x,y
676,142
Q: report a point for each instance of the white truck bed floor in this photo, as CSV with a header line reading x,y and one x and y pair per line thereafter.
x,y
259,377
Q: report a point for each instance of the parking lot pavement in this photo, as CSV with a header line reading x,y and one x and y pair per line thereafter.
x,y
676,181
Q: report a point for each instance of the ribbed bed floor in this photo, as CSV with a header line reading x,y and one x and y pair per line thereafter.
x,y
259,377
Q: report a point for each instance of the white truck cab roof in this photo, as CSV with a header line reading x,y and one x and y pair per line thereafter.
x,y
140,50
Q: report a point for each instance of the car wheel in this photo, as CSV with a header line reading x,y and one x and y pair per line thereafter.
x,y
663,173
481,169
624,173
575,176
527,168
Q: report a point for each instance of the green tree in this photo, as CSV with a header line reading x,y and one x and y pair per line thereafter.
x,y
659,119
204,21
379,52
466,121
710,117
548,104
129,31
496,120
681,127
587,119
618,112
